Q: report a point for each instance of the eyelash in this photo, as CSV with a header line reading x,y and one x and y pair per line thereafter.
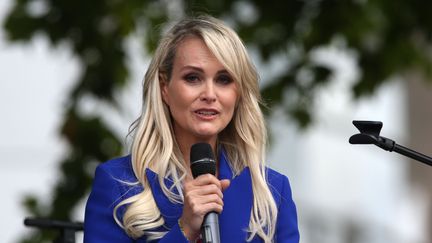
x,y
223,79
191,78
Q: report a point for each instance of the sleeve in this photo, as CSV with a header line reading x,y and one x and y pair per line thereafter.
x,y
99,224
286,226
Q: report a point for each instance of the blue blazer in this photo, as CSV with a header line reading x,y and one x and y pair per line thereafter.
x,y
108,191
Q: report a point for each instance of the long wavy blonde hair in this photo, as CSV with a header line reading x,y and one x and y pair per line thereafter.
x,y
154,145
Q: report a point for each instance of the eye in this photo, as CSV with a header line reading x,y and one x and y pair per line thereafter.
x,y
191,78
224,79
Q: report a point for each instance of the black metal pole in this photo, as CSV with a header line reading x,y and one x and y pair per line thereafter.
x,y
370,134
413,154
67,229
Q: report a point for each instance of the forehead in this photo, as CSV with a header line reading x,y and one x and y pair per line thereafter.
x,y
193,50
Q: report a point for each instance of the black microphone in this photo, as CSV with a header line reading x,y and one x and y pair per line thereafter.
x,y
202,162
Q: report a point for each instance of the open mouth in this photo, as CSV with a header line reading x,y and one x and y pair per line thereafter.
x,y
207,112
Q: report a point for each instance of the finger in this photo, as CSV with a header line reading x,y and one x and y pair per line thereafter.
x,y
211,198
225,184
201,180
212,207
201,205
207,179
205,190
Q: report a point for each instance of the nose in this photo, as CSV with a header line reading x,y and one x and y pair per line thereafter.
x,y
208,93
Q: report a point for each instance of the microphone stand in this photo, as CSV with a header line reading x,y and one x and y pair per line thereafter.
x,y
369,134
67,229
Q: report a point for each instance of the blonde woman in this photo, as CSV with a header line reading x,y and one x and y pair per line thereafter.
x,y
201,86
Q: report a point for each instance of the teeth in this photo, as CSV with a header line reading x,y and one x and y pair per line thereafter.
x,y
207,113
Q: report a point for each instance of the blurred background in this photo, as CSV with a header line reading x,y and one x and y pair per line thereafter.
x,y
70,87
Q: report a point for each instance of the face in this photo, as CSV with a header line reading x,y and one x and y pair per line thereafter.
x,y
201,94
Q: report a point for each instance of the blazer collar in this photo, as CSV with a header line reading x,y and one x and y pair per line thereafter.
x,y
225,171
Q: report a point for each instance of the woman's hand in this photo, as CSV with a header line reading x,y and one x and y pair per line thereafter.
x,y
201,196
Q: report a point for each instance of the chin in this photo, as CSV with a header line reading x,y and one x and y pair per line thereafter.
x,y
207,133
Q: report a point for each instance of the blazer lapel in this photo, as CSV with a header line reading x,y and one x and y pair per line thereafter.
x,y
238,199
170,211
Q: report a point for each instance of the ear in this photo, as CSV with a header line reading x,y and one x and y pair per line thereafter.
x,y
164,89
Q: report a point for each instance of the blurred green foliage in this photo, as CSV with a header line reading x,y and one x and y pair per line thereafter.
x,y
388,37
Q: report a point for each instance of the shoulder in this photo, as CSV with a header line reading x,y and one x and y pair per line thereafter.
x,y
118,168
108,190
279,185
114,181
275,178
119,163
118,177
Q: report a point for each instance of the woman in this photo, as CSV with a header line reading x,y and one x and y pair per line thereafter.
x,y
200,87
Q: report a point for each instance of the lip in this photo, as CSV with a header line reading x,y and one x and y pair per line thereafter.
x,y
206,113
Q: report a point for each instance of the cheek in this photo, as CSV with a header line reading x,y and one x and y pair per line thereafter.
x,y
179,101
231,101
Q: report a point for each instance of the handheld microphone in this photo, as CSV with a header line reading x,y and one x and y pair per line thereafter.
x,y
202,162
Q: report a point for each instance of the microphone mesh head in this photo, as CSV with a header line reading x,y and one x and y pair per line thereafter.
x,y
202,160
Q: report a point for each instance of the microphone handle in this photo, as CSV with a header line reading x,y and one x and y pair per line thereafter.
x,y
210,228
